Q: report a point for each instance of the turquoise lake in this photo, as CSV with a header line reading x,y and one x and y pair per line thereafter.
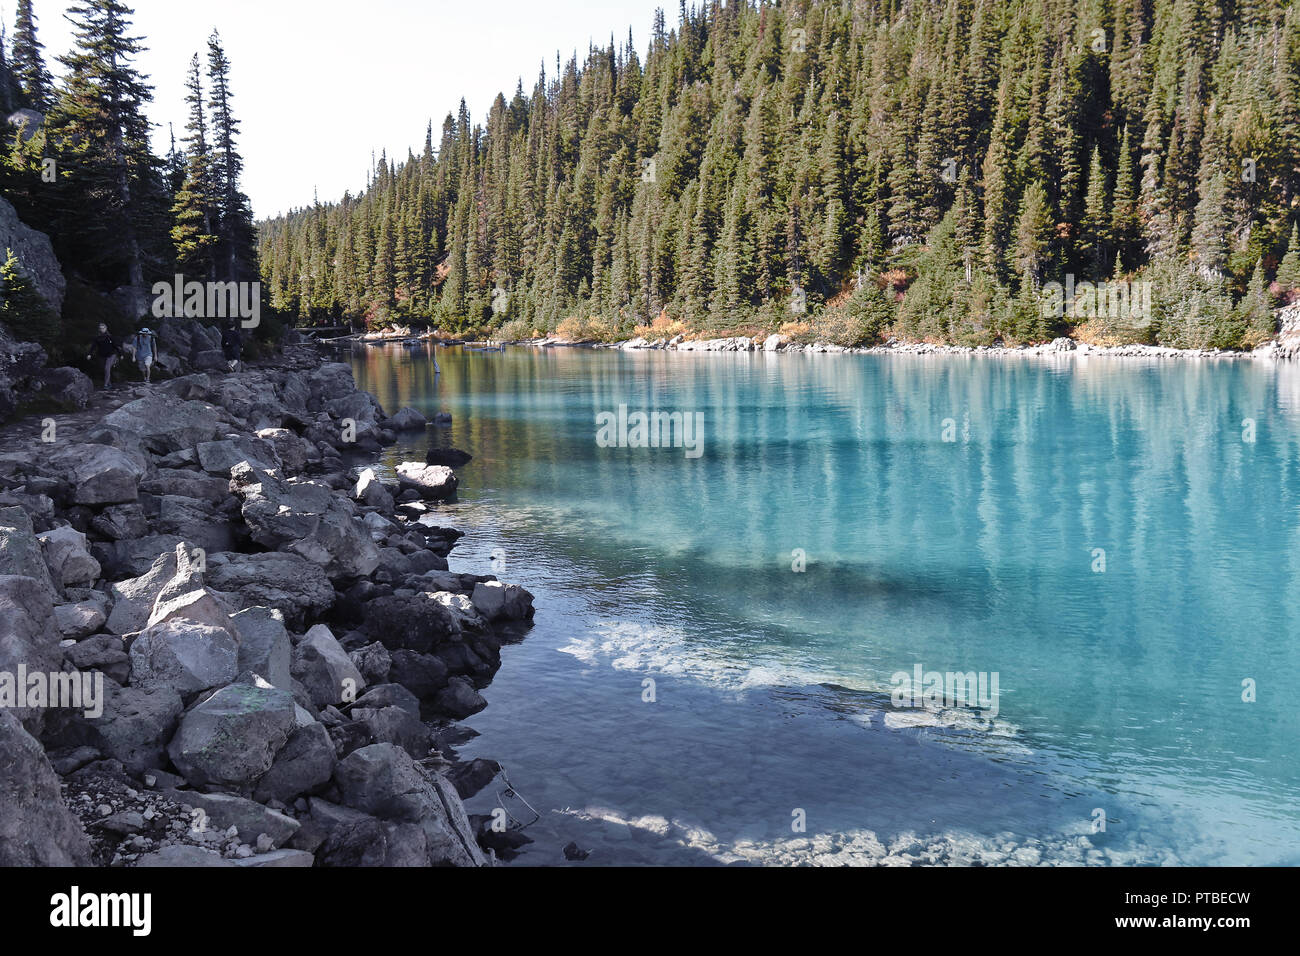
x,y
1116,541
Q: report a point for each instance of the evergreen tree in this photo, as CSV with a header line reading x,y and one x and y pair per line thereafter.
x,y
27,62
196,202
235,217
116,206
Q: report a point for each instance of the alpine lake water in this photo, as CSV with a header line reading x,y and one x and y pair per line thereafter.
x,y
1113,545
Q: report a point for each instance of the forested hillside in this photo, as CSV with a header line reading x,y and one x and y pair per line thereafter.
x,y
76,163
922,168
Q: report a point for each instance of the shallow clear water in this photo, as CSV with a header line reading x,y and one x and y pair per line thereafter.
x,y
1120,686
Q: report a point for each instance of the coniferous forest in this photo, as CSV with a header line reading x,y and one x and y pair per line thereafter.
x,y
77,164
852,171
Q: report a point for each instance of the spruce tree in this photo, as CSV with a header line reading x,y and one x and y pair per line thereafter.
x,y
195,207
116,204
27,62
235,218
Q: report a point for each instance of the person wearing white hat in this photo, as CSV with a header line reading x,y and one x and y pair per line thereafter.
x,y
146,351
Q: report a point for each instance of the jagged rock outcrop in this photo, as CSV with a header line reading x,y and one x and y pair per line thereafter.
x,y
35,254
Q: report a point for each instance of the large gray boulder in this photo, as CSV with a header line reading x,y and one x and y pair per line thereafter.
x,y
101,474
384,781
306,519
36,827
433,482
134,598
196,521
68,557
304,765
21,552
187,484
136,724
35,252
323,667
164,425
68,387
407,420
121,522
415,622
292,451
232,738
200,606
371,491
185,655
294,585
218,457
264,647
102,652
79,620
498,602
29,636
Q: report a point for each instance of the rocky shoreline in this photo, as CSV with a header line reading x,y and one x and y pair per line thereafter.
x,y
1285,346
280,647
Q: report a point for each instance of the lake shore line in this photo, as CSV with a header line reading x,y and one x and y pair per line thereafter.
x,y
184,554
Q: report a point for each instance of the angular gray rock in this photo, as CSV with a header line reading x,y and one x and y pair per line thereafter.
x,y
68,387
183,856
292,451
304,765
294,585
77,621
374,662
187,484
36,827
163,425
200,605
459,699
497,602
21,552
408,419
218,457
196,521
383,781
232,738
68,558
221,811
279,859
306,519
432,482
133,598
35,252
121,522
371,491
101,474
103,652
135,727
184,655
264,648
322,667
28,636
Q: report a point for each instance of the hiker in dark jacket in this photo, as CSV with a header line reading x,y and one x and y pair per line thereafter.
x,y
104,349
232,345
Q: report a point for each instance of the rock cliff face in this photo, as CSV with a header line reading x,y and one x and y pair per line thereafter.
x,y
1288,337
35,253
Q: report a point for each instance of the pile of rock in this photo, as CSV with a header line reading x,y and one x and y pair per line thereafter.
x,y
275,638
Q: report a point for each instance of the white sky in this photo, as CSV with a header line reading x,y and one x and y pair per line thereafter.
x,y
319,84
